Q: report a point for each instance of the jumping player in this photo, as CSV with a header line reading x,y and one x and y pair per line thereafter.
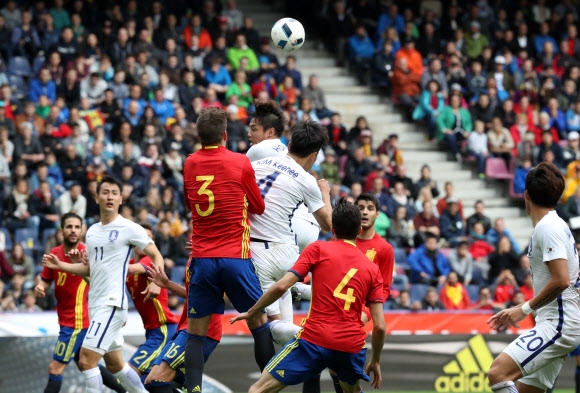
x,y
535,358
333,335
169,365
109,246
72,308
220,190
285,185
160,324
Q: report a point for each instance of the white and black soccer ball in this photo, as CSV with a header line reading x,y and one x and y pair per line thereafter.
x,y
288,34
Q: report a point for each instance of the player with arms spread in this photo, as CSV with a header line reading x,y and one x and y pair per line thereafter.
x,y
285,185
159,322
109,246
220,190
333,335
72,308
535,358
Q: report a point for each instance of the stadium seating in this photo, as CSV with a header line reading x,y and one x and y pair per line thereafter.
x,y
495,168
27,237
418,291
19,66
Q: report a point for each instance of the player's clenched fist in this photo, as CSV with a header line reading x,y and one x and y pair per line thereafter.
x,y
324,186
39,291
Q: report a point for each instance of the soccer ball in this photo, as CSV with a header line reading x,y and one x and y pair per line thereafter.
x,y
288,34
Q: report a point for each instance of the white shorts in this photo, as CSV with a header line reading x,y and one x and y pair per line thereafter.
x,y
306,231
273,260
540,353
104,333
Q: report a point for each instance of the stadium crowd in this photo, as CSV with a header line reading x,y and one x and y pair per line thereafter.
x,y
90,89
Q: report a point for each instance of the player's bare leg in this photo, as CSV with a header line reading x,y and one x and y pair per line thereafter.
x,y
502,374
55,371
89,365
159,379
194,361
348,388
266,384
123,372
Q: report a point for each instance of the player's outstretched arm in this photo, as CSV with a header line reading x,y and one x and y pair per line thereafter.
x,y
270,296
324,214
377,342
152,252
158,277
558,282
52,262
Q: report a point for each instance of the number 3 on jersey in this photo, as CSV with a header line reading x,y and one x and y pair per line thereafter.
x,y
348,297
203,190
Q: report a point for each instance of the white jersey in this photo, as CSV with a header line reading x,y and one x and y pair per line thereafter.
x,y
552,240
285,185
109,248
266,148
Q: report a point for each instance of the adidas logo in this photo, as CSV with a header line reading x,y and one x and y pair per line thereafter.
x,y
192,310
280,373
196,389
468,372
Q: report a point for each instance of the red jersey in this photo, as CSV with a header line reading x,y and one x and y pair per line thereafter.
x,y
220,190
70,291
214,330
343,281
382,254
155,312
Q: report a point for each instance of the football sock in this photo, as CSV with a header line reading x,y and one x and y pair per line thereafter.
x,y
263,345
159,387
577,379
54,383
312,385
286,309
505,387
336,383
110,381
283,331
93,380
305,291
130,380
194,363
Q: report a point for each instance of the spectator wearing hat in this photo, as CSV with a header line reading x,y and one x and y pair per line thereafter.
x,y
475,41
414,59
454,125
361,51
451,223
571,151
431,103
504,80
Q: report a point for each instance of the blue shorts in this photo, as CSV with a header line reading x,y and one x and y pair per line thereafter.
x,y
575,352
155,341
69,344
211,277
300,360
174,353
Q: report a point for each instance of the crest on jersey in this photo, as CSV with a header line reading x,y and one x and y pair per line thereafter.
x,y
371,253
113,235
550,249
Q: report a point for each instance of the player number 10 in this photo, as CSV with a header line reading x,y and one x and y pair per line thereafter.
x,y
348,297
203,190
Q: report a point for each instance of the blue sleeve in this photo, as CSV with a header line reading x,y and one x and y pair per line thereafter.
x,y
561,120
492,237
51,91
515,245
443,265
382,24
298,80
16,33
425,101
413,262
34,91
441,104
569,117
400,24
35,37
538,44
227,77
554,45
444,225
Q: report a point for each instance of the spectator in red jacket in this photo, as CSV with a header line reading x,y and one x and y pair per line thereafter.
x,y
453,295
479,248
506,288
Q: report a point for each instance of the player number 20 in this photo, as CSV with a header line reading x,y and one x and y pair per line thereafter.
x,y
203,190
348,297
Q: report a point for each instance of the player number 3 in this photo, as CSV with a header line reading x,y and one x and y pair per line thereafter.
x,y
203,190
348,297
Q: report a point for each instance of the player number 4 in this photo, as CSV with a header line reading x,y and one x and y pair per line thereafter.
x,y
203,190
348,297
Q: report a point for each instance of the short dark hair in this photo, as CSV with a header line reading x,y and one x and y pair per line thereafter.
x,y
269,115
148,227
68,215
307,137
211,126
346,220
545,185
110,180
368,197
429,235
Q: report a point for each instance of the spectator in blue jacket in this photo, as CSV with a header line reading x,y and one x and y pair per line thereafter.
x,y
428,265
217,76
290,69
430,105
135,95
163,108
392,18
500,230
573,117
361,50
521,173
42,86
557,117
544,37
451,224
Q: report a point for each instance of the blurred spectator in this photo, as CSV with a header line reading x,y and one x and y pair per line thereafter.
x,y
476,79
499,230
506,113
11,14
477,145
454,125
526,289
383,64
406,87
427,263
425,223
482,110
521,173
42,86
379,191
6,271
93,89
29,116
195,28
21,263
557,117
505,257
503,78
431,103
571,208
506,287
442,202
401,231
337,135
252,35
42,205
573,117
486,302
461,262
400,175
451,223
121,47
425,181
453,294
329,168
403,302
240,89
435,73
548,144
6,122
475,41
340,28
217,76
241,50
237,134
478,216
391,18
27,147
25,41
430,301
29,303
501,143
414,59
72,201
567,96
289,69
361,51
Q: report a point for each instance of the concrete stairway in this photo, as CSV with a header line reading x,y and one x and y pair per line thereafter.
x,y
344,95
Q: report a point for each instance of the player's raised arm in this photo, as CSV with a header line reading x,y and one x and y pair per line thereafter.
x,y
52,262
324,214
256,204
157,275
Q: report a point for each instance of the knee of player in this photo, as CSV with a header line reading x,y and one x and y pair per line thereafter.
x,y
56,368
496,374
85,364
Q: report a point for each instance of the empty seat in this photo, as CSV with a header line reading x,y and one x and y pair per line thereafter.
x,y
27,237
418,291
19,65
495,168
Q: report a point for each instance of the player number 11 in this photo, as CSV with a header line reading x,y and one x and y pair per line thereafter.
x,y
348,297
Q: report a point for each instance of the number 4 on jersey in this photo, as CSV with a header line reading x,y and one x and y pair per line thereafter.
x,y
348,297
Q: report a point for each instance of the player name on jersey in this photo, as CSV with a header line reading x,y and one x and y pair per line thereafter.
x,y
279,166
